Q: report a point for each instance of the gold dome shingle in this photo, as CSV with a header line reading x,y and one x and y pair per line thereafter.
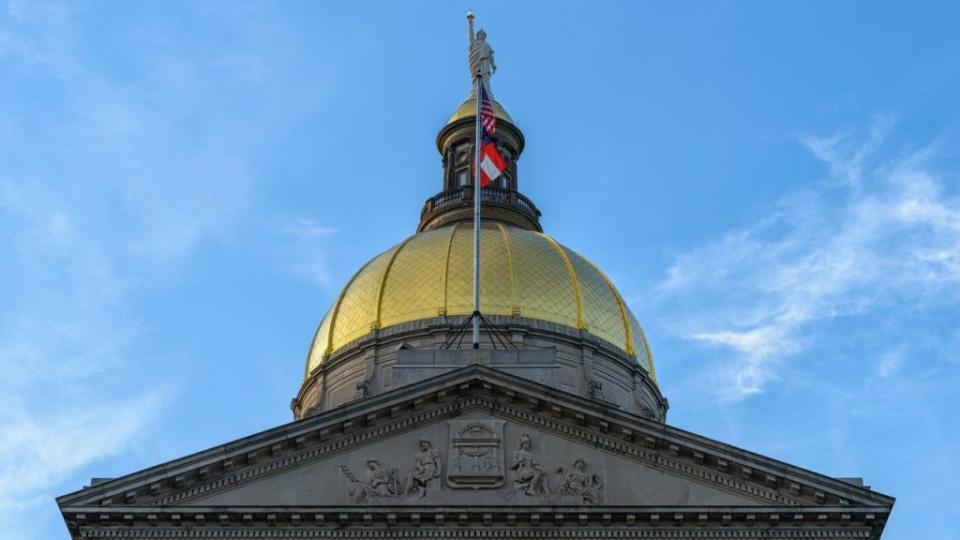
x,y
523,273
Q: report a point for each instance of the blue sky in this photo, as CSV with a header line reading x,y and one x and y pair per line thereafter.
x,y
774,188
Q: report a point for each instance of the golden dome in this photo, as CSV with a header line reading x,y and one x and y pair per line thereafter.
x,y
523,273
468,109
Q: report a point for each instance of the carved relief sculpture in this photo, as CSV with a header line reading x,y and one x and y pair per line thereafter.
x,y
427,466
476,454
596,389
529,478
379,483
383,483
578,483
363,389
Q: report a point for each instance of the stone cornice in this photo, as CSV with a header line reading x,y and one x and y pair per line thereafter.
x,y
493,521
668,449
482,533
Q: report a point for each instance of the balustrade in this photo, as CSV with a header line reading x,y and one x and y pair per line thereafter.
x,y
464,196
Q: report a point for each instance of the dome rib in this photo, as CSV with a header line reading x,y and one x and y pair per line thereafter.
x,y
383,279
526,274
572,274
333,316
446,266
646,347
631,349
333,341
313,345
514,308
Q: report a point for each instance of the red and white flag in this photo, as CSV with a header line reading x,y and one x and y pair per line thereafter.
x,y
492,164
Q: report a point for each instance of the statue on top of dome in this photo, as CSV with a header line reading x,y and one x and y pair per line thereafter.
x,y
480,55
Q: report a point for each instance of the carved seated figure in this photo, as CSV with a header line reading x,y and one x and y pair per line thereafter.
x,y
378,479
426,467
529,478
578,483
379,483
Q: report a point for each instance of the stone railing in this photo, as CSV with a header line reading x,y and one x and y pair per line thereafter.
x,y
464,196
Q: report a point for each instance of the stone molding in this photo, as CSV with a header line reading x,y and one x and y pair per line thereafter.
x,y
504,395
472,533
451,410
684,522
425,332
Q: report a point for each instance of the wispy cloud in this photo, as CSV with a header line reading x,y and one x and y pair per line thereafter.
x,y
38,451
311,252
109,182
305,229
847,153
64,335
881,231
890,362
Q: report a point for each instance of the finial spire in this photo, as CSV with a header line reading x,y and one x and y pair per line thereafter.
x,y
480,56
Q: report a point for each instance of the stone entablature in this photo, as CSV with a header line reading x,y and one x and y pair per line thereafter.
x,y
580,363
478,522
434,411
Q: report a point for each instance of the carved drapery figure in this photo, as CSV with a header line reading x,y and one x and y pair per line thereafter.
x,y
529,477
480,56
383,483
426,467
379,480
379,483
579,484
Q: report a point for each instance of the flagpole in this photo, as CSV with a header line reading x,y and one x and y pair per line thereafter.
x,y
476,219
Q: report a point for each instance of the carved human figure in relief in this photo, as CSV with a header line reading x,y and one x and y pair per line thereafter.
x,y
529,476
381,482
427,466
480,56
579,484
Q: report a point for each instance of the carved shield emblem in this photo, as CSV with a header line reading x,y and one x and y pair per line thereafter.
x,y
476,454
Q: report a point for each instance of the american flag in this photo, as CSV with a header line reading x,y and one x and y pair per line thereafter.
x,y
487,117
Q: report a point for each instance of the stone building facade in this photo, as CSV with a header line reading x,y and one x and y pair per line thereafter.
x,y
554,428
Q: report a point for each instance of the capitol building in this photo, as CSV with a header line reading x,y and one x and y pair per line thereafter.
x,y
553,427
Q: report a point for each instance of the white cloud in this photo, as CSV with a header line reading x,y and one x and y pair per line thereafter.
x,y
36,452
114,183
883,232
304,229
890,362
317,270
846,154
310,253
64,337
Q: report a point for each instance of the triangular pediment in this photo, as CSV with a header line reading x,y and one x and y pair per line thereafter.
x,y
473,456
476,437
